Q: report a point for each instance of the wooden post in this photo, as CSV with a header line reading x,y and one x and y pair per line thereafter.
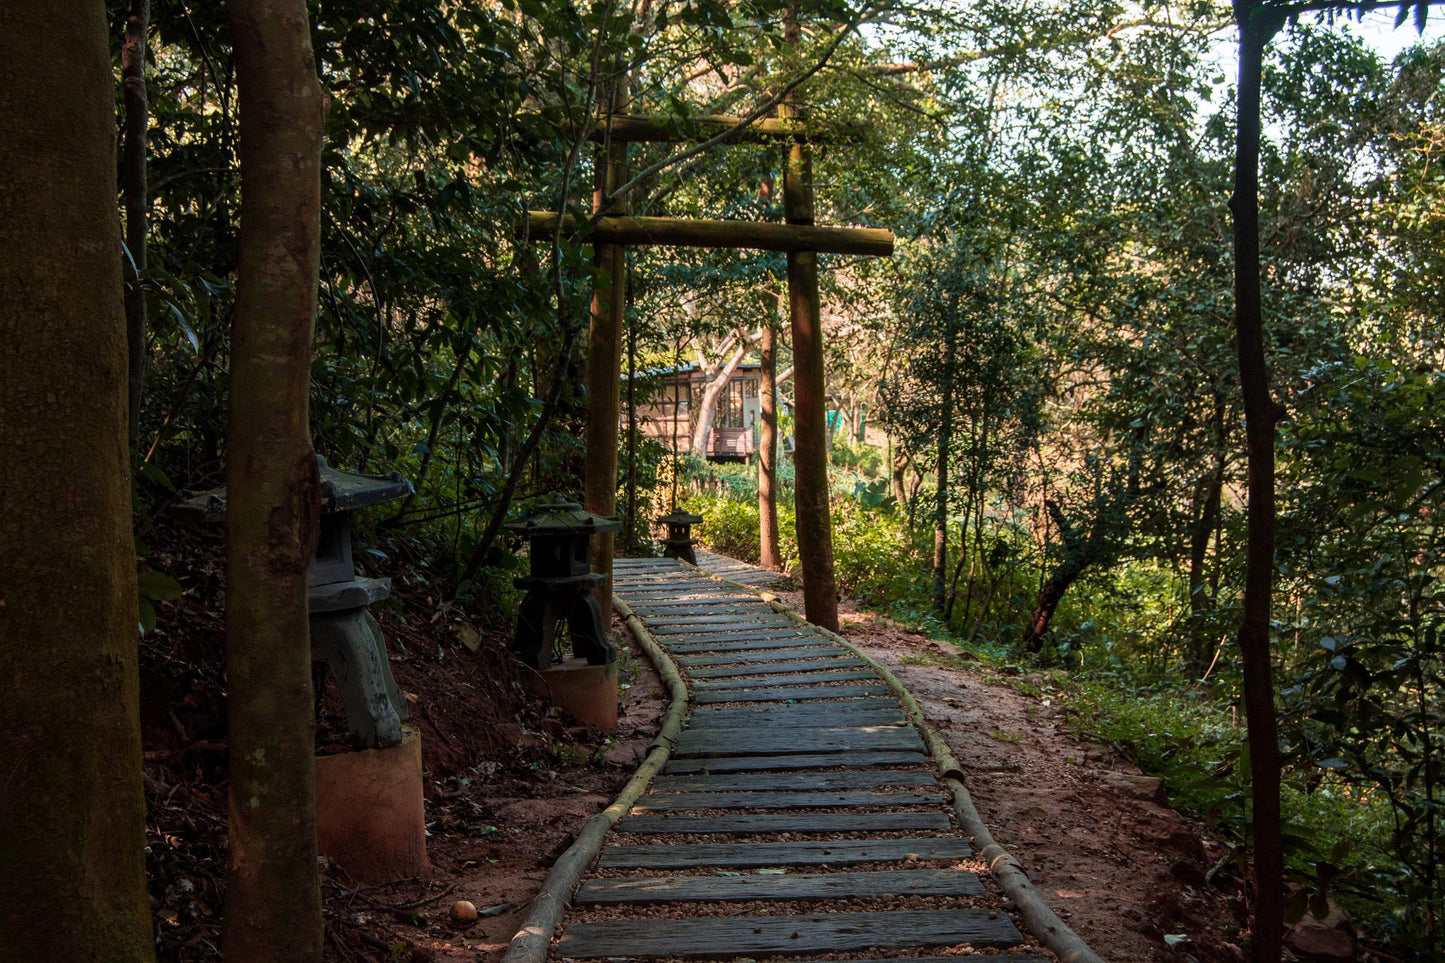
x,y
810,458
769,556
701,232
604,372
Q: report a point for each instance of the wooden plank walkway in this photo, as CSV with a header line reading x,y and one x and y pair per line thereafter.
x,y
799,815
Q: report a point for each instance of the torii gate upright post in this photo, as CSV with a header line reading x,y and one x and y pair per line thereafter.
x,y
801,240
604,367
810,397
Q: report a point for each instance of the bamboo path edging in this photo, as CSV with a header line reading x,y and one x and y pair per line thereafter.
x,y
533,940
1040,919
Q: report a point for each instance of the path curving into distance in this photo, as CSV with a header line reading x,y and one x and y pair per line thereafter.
x,y
799,816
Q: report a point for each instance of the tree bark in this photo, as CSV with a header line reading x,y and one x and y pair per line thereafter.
x,y
72,879
1257,24
604,369
770,554
273,906
137,204
945,448
810,457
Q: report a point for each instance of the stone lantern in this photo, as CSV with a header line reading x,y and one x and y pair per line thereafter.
x,y
559,586
679,541
343,632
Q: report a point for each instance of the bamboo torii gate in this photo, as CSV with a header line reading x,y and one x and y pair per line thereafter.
x,y
799,237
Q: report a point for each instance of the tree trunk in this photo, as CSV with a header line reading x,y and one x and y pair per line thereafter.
x,y
810,454
273,908
898,475
137,205
770,553
629,522
945,448
1050,595
1208,498
1079,553
72,880
604,368
973,507
1256,26
711,392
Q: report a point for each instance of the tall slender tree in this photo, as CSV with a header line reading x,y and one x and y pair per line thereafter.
x,y
1258,22
72,880
273,510
133,177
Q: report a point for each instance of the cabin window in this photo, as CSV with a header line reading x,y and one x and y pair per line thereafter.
x,y
730,406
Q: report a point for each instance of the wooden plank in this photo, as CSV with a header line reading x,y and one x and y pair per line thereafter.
x,y
795,741
764,682
761,622
764,656
681,630
704,697
872,712
683,593
775,763
822,799
801,852
925,881
663,603
749,824
540,226
775,668
796,781
685,623
705,641
732,936
746,644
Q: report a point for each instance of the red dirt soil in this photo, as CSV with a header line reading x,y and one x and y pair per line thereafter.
x,y
509,784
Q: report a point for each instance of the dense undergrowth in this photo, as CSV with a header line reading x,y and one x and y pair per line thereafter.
x,y
1357,833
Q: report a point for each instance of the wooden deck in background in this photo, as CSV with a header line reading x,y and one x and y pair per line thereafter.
x,y
797,782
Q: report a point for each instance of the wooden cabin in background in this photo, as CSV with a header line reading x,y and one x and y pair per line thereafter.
x,y
669,412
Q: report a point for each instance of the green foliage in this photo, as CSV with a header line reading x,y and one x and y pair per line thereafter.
x,y
864,459
730,526
1366,556
1193,743
1060,300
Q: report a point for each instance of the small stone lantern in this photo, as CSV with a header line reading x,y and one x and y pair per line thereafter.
x,y
560,585
679,541
344,634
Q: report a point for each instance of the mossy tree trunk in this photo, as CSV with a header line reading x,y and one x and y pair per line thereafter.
x,y
72,879
273,499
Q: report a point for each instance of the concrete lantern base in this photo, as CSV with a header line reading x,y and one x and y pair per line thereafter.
x,y
586,692
370,817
